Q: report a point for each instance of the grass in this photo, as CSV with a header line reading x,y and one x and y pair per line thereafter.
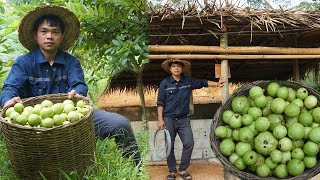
x,y
109,162
6,168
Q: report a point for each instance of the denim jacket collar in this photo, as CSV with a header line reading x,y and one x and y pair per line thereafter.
x,y
182,78
40,58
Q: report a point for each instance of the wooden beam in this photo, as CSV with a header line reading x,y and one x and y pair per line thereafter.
x,y
232,50
233,57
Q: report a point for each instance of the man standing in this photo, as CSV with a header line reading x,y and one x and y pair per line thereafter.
x,y
47,31
173,110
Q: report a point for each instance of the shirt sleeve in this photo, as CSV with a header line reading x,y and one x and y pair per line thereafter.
x,y
76,78
198,83
14,82
161,94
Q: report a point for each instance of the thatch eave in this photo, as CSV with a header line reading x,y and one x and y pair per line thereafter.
x,y
255,17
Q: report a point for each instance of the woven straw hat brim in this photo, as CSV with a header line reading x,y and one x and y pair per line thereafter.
x,y
165,64
70,20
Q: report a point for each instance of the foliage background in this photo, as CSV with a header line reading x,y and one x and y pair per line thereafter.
x,y
113,36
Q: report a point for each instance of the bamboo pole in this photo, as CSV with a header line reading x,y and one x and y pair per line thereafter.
x,y
191,106
233,57
224,69
233,50
296,70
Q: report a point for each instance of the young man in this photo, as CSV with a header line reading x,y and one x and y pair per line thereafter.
x,y
47,32
173,111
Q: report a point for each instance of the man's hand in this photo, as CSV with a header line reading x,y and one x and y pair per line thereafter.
x,y
161,124
71,94
221,82
12,101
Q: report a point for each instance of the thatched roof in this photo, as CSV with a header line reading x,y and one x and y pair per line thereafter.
x,y
194,25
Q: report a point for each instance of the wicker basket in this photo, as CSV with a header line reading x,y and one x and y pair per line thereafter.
x,y
50,151
217,121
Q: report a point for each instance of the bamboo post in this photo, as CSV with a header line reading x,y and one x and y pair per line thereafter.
x,y
296,73
224,70
295,70
191,106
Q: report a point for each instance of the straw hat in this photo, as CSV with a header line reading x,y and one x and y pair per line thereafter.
x,y
70,20
165,64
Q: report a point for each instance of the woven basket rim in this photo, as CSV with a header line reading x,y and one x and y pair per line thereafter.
x,y
48,96
308,173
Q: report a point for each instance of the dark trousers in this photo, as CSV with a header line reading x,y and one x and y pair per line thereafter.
x,y
181,127
114,125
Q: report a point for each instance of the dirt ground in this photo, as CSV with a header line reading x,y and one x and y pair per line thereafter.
x,y
198,171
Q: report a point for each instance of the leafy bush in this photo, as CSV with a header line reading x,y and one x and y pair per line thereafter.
x,y
312,81
96,87
6,168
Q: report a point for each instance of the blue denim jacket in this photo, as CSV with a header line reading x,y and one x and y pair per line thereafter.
x,y
174,95
31,75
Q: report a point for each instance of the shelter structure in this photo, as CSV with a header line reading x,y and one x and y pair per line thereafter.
x,y
243,44
248,44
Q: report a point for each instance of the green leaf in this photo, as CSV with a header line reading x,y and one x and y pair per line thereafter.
x,y
116,42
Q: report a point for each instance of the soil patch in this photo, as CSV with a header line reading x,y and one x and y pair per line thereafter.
x,y
199,171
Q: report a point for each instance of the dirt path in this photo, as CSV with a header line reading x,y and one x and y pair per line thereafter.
x,y
199,171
